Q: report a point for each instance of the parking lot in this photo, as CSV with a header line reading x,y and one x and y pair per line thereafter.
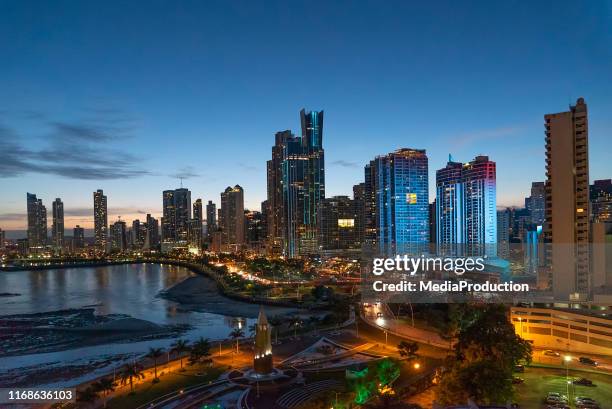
x,y
540,381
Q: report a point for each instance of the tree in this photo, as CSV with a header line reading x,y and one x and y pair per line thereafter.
x,y
486,351
179,347
155,354
408,350
200,352
275,321
129,373
104,385
236,334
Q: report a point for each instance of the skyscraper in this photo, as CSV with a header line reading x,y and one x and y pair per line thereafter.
x,y
466,213
402,202
450,207
600,193
566,228
337,227
100,221
232,222
296,186
479,178
211,217
57,228
176,215
37,223
503,232
197,210
118,236
2,239
78,238
359,197
152,238
536,203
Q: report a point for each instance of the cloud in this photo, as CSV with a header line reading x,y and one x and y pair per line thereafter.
x,y
6,217
70,150
345,164
187,172
248,168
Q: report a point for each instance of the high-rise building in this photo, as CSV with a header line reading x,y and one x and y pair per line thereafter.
x,y
566,229
503,232
337,227
536,203
296,186
255,229
400,182
2,239
211,217
479,178
78,238
118,236
600,193
37,223
138,234
197,210
57,228
176,215
450,207
194,236
369,233
100,221
152,238
232,222
359,197
433,224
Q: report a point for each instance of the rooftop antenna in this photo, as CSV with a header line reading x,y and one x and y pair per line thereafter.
x,y
181,178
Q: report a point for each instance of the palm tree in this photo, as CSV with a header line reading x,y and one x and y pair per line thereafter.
x,y
104,385
200,352
179,347
154,354
236,334
275,321
129,373
252,330
408,350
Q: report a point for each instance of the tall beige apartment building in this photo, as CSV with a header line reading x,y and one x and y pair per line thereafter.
x,y
567,203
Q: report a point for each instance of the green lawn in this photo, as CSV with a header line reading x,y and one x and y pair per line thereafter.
x,y
540,381
148,391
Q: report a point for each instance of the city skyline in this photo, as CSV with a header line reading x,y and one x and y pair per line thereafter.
x,y
67,130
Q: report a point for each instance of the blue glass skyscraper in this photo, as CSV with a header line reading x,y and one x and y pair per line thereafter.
x,y
401,190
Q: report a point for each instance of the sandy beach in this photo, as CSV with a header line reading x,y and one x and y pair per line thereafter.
x,y
198,293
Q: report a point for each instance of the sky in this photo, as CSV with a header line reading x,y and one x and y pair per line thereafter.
x,y
131,96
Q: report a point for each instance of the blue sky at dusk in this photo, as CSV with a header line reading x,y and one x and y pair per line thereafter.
x,y
126,96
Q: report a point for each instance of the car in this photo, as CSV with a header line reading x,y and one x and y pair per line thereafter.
x,y
550,352
557,406
584,399
587,361
583,382
551,399
587,405
517,381
379,315
519,368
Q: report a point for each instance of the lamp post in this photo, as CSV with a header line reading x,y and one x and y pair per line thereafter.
x,y
567,359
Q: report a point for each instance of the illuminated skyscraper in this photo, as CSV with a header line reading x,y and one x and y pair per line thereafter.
x,y
566,228
232,222
176,215
57,228
600,193
197,210
296,186
100,221
337,227
450,217
37,223
536,203
118,236
402,202
152,238
479,178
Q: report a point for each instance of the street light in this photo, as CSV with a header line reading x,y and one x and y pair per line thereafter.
x,y
416,366
567,359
